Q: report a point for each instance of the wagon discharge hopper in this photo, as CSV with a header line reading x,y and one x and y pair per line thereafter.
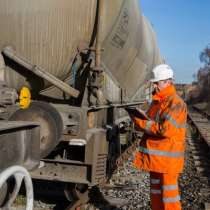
x,y
81,60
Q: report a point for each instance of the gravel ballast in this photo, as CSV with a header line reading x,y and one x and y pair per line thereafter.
x,y
190,184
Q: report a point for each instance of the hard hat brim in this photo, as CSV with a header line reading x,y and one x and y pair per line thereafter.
x,y
157,80
154,80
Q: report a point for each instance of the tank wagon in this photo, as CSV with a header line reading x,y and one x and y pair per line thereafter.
x,y
82,60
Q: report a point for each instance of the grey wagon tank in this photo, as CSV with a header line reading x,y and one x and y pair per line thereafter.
x,y
48,33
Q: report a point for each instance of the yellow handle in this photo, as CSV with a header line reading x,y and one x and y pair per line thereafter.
x,y
25,98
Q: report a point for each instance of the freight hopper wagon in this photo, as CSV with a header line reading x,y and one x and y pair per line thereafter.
x,y
66,67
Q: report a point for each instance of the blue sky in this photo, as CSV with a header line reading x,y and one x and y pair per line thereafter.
x,y
183,31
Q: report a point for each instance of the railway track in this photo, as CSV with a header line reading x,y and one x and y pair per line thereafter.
x,y
199,142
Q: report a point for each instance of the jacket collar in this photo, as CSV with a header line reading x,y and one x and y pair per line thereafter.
x,y
165,93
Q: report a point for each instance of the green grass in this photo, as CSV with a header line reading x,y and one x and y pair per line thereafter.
x,y
20,200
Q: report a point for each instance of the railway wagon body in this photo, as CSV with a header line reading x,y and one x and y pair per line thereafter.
x,y
81,60
48,34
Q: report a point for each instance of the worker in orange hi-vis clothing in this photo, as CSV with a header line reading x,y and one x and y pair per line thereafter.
x,y
161,150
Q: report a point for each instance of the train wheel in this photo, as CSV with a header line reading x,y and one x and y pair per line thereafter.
x,y
79,194
51,124
69,192
3,193
72,191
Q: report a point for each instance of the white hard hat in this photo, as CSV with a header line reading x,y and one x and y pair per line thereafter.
x,y
162,72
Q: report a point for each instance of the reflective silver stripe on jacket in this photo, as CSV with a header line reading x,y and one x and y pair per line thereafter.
x,y
171,199
157,116
161,153
155,181
148,125
170,187
155,191
173,122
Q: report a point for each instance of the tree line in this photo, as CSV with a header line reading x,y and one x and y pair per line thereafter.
x,y
201,92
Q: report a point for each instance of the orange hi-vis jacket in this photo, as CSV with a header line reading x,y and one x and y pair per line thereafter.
x,y
163,143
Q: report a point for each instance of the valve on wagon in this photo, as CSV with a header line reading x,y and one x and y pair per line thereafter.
x,y
8,96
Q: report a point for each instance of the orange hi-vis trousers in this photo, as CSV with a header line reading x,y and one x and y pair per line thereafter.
x,y
164,191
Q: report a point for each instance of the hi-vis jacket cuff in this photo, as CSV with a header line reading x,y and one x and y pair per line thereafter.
x,y
148,126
